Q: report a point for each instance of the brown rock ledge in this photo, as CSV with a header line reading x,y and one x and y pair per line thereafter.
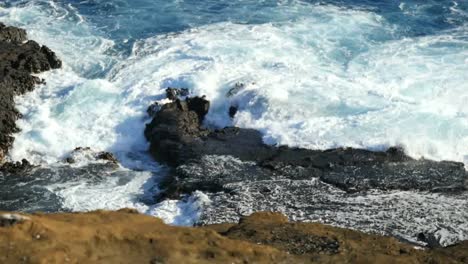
x,y
128,237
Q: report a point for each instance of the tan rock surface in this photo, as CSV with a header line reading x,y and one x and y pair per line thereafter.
x,y
128,237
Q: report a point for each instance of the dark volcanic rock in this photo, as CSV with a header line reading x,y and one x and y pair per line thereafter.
x,y
88,155
174,93
173,128
16,167
12,34
232,111
18,60
177,137
348,187
423,175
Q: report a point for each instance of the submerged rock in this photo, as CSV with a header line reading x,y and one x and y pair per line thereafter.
x,y
19,58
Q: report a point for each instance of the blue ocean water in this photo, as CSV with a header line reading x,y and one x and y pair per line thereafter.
x,y
315,74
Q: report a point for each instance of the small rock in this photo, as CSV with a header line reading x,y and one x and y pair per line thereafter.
x,y
232,111
107,156
16,167
174,93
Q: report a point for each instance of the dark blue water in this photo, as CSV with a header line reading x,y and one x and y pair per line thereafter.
x,y
133,20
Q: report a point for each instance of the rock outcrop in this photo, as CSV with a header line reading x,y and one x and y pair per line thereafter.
x,y
178,138
128,237
86,155
19,59
241,175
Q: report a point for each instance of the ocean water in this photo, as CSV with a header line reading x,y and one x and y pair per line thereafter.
x,y
315,74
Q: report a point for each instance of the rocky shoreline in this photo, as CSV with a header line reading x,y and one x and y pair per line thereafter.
x,y
19,59
179,139
240,174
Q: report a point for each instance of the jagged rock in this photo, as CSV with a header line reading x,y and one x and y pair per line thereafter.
x,y
12,34
16,167
174,93
241,175
86,155
153,109
173,127
18,60
107,156
199,105
178,138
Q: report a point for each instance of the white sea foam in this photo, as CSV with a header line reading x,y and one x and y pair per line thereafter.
x,y
128,189
333,79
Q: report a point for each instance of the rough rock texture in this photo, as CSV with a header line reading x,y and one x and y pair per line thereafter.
x,y
16,167
87,155
236,188
174,93
177,138
128,237
19,58
347,187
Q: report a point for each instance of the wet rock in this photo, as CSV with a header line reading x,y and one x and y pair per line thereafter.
x,y
2,156
239,86
16,167
178,138
174,93
174,127
107,156
232,111
429,239
200,106
12,34
242,175
87,155
18,60
153,109
422,175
